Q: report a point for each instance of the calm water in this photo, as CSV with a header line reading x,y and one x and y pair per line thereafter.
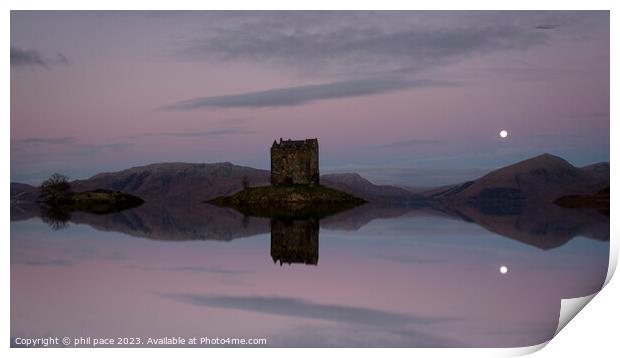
x,y
373,276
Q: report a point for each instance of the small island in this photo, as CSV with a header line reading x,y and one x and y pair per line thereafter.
x,y
57,195
295,190
289,201
100,201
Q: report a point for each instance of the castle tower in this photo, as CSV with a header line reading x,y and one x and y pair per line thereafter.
x,y
295,162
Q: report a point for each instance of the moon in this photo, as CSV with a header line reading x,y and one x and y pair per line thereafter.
x,y
503,133
503,270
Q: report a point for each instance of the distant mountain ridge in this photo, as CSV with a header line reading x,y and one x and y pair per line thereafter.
x,y
23,193
598,169
185,183
542,178
355,184
178,182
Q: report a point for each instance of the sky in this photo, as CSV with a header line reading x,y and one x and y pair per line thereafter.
x,y
411,97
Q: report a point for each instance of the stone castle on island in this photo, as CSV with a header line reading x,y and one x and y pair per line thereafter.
x,y
295,162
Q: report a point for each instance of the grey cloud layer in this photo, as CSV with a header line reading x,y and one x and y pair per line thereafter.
x,y
92,149
295,307
73,146
211,133
22,57
44,262
295,96
373,46
346,42
214,270
48,140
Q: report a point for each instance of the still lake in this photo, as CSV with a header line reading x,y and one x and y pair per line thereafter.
x,y
374,276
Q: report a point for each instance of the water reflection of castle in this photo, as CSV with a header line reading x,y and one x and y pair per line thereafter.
x,y
295,241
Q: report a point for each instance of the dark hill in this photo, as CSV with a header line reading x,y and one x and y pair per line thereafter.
x,y
190,182
23,193
176,182
598,169
355,184
542,178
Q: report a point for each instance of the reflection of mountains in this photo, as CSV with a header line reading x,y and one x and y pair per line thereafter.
x,y
358,217
545,226
178,223
542,226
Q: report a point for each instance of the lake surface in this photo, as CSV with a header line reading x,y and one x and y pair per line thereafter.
x,y
373,276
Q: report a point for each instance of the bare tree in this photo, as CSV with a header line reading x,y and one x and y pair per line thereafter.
x,y
55,188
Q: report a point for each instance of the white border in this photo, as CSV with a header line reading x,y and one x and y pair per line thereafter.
x,y
594,330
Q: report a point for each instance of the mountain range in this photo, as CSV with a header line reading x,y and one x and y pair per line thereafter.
x,y
184,183
543,178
